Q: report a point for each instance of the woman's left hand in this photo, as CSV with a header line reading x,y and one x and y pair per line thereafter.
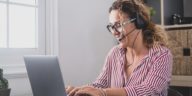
x,y
88,91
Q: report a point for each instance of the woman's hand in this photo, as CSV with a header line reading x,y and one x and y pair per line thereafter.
x,y
72,90
89,91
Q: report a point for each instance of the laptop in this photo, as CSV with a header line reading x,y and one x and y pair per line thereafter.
x,y
45,75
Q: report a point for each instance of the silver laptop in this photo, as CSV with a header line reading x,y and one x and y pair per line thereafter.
x,y
45,75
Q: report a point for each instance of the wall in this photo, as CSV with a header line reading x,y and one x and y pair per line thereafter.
x,y
83,39
20,86
187,8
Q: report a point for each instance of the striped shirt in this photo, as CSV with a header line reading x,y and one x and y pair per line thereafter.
x,y
150,78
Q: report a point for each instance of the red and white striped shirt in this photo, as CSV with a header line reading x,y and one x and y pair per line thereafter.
x,y
150,78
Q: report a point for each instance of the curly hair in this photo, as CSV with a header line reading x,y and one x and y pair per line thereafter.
x,y
152,33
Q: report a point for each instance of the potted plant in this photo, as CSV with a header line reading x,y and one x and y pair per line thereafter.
x,y
4,90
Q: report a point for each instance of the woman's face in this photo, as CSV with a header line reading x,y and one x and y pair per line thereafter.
x,y
122,25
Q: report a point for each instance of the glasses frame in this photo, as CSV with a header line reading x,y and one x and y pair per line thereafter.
x,y
111,28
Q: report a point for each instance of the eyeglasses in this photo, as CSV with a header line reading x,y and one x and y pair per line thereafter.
x,y
118,27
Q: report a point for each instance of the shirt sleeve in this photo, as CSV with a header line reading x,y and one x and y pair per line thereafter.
x,y
158,78
104,78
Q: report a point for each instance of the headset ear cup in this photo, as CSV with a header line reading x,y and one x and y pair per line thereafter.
x,y
140,22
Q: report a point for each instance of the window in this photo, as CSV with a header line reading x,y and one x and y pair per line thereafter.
x,y
22,30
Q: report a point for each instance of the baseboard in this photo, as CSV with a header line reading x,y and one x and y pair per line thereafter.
x,y
30,94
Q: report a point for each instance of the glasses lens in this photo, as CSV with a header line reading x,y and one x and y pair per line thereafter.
x,y
114,28
118,29
110,29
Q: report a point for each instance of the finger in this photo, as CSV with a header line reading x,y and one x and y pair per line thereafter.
x,y
89,91
87,87
69,88
73,91
80,93
83,93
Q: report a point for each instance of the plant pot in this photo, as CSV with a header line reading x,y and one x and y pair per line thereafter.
x,y
5,92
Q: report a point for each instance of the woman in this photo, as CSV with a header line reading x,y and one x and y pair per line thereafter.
x,y
141,64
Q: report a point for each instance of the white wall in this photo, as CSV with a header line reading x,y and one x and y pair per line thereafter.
x,y
84,39
20,87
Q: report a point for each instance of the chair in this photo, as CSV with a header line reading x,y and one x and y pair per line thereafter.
x,y
172,92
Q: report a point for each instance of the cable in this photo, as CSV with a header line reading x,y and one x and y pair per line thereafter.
x,y
132,49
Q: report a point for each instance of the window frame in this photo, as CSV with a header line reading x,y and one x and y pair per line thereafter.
x,y
18,70
13,56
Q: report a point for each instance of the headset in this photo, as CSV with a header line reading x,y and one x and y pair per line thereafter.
x,y
139,21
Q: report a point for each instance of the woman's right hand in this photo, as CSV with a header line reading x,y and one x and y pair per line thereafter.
x,y
71,90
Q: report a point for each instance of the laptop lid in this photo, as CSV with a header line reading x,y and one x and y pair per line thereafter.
x,y
45,75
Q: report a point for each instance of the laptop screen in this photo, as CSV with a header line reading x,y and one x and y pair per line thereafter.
x,y
45,75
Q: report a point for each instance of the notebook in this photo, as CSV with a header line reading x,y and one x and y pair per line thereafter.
x,y
45,75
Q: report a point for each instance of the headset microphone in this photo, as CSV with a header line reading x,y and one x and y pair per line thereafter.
x,y
122,36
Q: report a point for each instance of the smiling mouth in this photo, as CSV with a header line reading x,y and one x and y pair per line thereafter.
x,y
119,39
